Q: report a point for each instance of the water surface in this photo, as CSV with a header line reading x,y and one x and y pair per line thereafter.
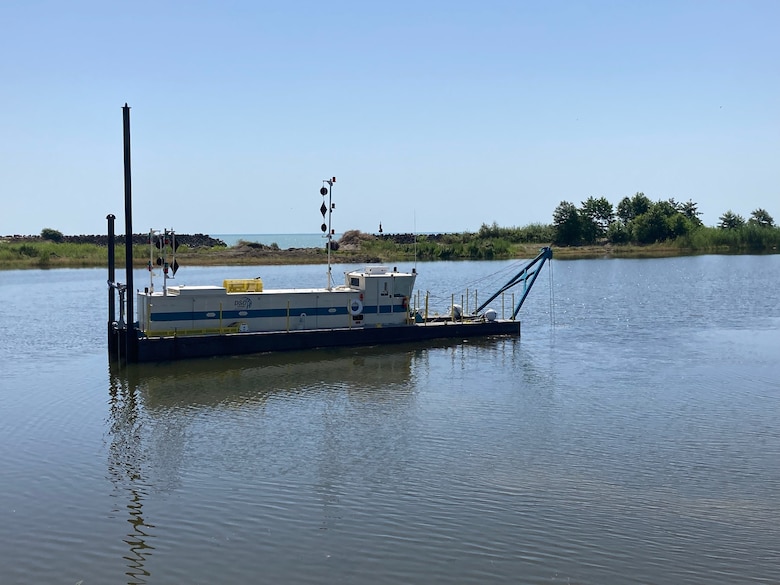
x,y
630,436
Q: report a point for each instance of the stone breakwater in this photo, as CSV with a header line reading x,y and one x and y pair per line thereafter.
x,y
409,238
191,240
355,237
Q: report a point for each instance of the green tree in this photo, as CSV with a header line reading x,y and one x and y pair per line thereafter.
x,y
567,224
631,208
731,221
761,218
51,235
680,225
652,226
624,211
690,210
489,231
663,221
619,233
667,208
600,213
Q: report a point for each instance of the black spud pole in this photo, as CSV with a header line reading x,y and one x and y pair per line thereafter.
x,y
130,339
111,276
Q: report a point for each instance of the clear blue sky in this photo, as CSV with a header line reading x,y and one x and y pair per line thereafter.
x,y
433,116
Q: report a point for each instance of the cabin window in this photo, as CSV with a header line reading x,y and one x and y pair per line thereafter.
x,y
354,282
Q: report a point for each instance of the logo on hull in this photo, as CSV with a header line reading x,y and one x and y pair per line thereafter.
x,y
243,303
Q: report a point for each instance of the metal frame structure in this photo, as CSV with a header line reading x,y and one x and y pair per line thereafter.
x,y
527,276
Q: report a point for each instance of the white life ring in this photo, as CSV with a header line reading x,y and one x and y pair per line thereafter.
x,y
355,307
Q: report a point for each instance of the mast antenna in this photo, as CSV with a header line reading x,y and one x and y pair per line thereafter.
x,y
328,229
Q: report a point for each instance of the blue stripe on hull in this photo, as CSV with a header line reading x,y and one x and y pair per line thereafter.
x,y
268,313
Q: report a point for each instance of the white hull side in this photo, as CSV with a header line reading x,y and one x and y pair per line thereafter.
x,y
193,309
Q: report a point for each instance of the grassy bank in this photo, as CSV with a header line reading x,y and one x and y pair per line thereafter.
x,y
47,254
365,248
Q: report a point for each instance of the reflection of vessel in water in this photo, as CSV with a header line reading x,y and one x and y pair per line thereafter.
x,y
373,373
279,419
364,373
125,463
374,305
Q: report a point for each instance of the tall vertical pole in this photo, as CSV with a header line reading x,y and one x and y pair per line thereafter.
x,y
130,340
111,270
111,279
330,231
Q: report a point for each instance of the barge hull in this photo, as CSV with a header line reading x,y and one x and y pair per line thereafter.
x,y
156,349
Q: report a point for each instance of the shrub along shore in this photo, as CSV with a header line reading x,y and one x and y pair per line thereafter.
x,y
490,243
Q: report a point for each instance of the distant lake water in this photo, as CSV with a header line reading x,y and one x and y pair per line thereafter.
x,y
632,436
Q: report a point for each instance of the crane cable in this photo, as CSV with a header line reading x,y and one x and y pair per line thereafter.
x,y
552,295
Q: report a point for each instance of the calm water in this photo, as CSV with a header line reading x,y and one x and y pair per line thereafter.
x,y
631,436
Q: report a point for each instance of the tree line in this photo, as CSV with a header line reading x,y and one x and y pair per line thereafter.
x,y
635,223
638,220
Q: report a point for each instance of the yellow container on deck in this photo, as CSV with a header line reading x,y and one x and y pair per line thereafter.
x,y
241,285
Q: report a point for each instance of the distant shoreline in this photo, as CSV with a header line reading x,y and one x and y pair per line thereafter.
x,y
25,252
102,239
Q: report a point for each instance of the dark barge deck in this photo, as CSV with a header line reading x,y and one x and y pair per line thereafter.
x,y
170,348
